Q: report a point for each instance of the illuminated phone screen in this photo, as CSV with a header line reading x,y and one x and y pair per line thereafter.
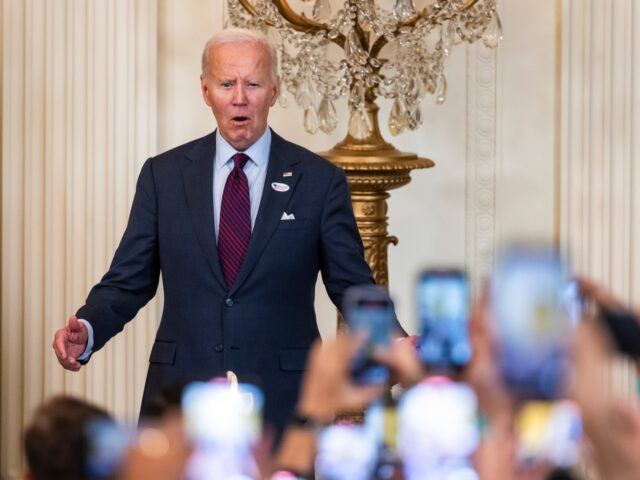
x,y
443,311
438,430
531,322
224,422
369,313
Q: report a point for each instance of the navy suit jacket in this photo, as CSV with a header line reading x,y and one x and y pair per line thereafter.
x,y
263,327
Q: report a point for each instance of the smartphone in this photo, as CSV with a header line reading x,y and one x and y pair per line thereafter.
x,y
369,312
224,422
345,452
549,433
108,443
624,328
443,314
574,303
438,430
532,326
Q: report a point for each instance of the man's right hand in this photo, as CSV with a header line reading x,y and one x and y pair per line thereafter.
x,y
69,343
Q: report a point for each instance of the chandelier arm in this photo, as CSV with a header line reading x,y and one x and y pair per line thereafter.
x,y
381,41
469,4
299,22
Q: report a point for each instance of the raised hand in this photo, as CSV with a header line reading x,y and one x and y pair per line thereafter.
x,y
69,343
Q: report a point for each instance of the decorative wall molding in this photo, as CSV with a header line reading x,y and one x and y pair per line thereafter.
x,y
600,131
481,161
79,119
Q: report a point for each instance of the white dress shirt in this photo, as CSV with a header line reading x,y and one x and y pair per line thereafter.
x,y
255,170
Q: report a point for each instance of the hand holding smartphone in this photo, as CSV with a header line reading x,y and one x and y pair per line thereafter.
x,y
369,313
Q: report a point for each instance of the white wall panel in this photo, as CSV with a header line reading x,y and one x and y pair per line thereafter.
x,y
79,119
600,133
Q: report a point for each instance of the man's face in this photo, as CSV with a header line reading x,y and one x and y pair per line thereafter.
x,y
240,90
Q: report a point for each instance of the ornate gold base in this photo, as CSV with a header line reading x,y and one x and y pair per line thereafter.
x,y
372,170
371,175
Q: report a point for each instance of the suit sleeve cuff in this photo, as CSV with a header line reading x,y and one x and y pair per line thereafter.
x,y
89,349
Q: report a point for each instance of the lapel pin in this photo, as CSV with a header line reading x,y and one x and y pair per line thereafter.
x,y
287,174
280,187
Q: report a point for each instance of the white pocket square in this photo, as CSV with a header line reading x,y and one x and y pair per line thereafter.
x,y
287,216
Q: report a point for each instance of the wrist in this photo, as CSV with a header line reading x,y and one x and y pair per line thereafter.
x,y
317,408
308,421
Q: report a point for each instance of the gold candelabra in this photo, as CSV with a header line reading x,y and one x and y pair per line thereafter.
x,y
395,53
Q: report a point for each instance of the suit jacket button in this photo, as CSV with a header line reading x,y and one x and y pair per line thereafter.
x,y
229,302
219,347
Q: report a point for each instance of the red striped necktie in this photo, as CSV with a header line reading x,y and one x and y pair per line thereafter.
x,y
234,231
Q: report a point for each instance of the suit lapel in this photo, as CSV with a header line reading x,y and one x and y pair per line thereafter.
x,y
198,182
272,204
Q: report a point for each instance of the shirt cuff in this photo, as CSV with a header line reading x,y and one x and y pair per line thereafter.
x,y
89,349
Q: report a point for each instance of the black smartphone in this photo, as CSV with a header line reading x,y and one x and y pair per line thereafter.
x,y
532,324
443,314
369,313
624,328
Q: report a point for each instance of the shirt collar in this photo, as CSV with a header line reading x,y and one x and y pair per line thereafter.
x,y
258,152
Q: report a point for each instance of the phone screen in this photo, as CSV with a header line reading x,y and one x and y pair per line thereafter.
x,y
108,443
532,324
346,452
549,432
224,422
369,313
438,430
443,311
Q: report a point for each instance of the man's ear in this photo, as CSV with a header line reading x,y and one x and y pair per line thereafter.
x,y
204,89
276,91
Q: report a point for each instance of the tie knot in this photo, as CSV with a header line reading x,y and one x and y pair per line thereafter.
x,y
239,159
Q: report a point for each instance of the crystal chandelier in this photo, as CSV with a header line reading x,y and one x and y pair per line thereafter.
x,y
396,53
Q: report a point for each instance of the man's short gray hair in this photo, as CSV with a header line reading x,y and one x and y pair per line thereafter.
x,y
239,36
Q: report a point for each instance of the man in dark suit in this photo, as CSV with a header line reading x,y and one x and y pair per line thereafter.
x,y
239,223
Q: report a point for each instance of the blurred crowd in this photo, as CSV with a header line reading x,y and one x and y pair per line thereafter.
x,y
570,413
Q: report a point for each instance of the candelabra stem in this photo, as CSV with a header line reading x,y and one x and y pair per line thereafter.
x,y
373,167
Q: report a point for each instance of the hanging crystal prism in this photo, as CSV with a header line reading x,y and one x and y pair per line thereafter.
x,y
398,121
359,124
283,101
493,34
404,10
357,97
448,36
441,89
310,120
353,49
322,10
414,116
305,93
327,116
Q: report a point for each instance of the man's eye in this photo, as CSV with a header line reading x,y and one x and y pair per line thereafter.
x,y
227,84
253,84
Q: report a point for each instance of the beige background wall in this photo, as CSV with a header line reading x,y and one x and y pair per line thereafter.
x,y
537,139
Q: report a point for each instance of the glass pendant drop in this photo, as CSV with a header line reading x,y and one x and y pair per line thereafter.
x,y
322,10
327,116
493,34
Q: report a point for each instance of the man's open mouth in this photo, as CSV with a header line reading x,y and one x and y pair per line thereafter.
x,y
240,119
